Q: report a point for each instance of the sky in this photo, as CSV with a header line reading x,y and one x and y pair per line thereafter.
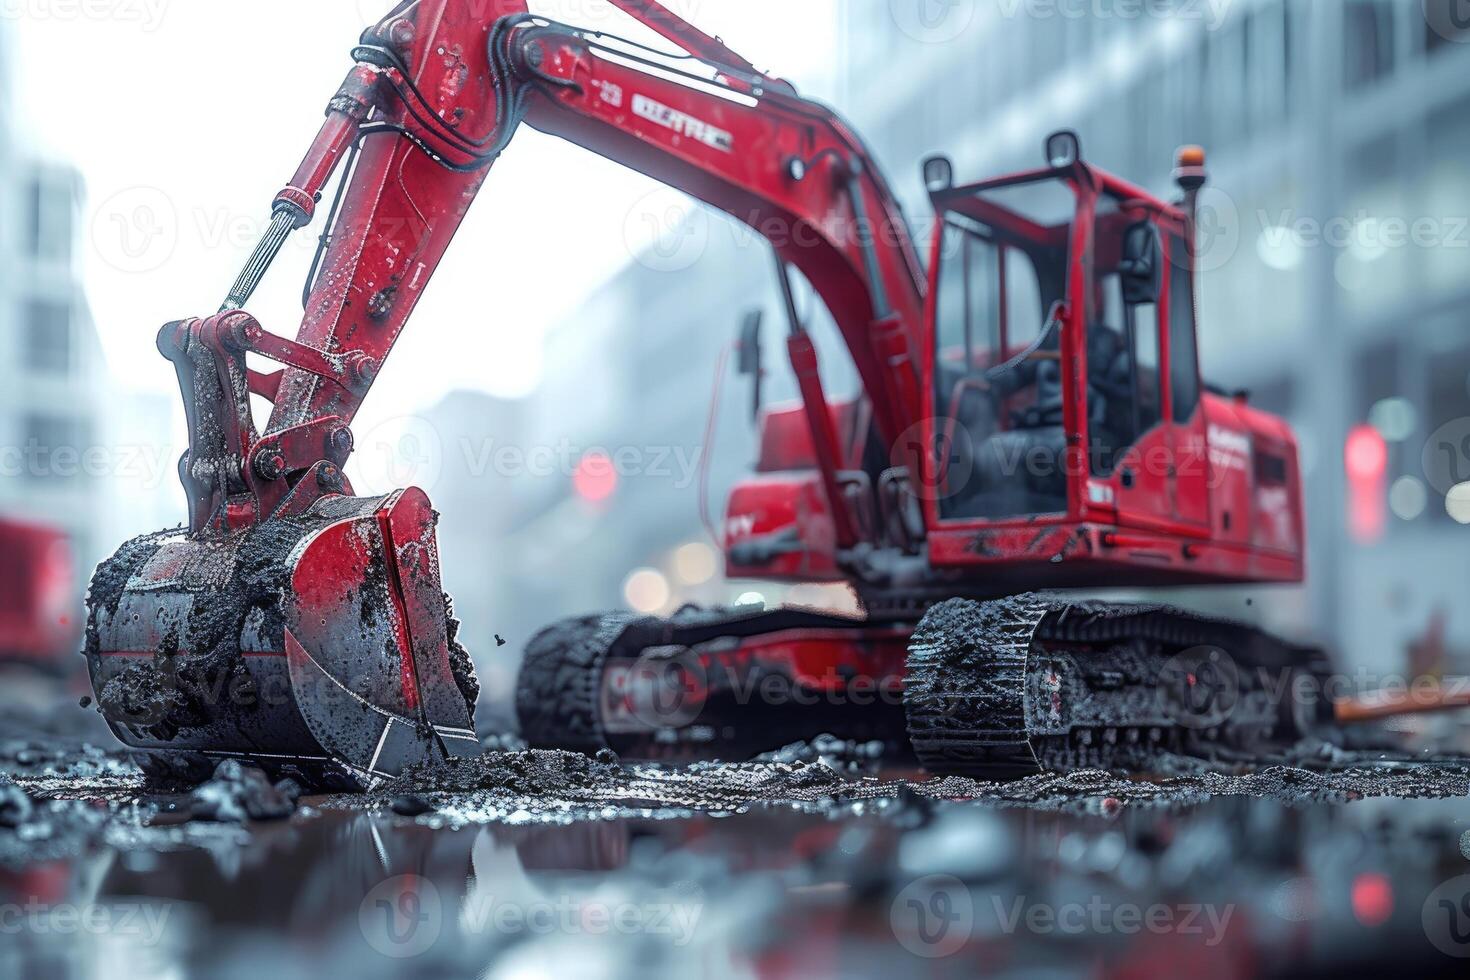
x,y
185,117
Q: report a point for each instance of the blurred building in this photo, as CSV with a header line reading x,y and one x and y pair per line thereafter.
x,y
52,458
70,456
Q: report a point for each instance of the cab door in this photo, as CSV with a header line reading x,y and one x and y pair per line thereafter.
x,y
1143,479
1129,434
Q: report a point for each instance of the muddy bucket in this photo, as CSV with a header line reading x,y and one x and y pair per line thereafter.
x,y
321,643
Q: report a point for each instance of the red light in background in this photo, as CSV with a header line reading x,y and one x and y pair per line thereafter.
x,y
1366,458
1372,899
1367,454
595,479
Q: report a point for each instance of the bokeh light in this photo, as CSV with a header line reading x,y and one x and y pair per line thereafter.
x,y
646,590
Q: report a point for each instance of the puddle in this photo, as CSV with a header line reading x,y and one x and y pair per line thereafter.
x,y
809,863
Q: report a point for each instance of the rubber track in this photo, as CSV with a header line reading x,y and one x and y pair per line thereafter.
x,y
557,693
965,692
965,689
1103,622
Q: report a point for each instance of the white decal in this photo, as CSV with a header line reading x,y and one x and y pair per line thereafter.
x,y
740,527
611,92
1273,500
683,123
1229,449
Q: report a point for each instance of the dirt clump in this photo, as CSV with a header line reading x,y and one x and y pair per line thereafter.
x,y
838,753
548,772
238,793
410,805
197,666
16,806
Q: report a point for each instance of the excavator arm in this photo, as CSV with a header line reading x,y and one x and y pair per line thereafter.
x,y
447,85
283,575
438,92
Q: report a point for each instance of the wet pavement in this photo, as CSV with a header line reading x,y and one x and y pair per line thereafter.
x,y
810,863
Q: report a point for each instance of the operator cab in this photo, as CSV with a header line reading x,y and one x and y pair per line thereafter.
x,y
1048,284
1067,439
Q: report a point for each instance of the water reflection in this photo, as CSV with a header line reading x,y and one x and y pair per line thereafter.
x,y
1233,888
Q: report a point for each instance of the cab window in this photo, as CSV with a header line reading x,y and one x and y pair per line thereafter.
x,y
1125,384
997,371
1184,380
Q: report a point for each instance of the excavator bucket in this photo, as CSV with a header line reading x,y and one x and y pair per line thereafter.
x,y
319,644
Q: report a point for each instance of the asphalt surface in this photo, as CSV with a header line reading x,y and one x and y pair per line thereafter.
x,y
814,861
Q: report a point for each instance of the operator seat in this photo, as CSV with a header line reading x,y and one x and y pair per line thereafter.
x,y
1023,470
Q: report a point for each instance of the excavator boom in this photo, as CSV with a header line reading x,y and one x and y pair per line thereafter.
x,y
295,621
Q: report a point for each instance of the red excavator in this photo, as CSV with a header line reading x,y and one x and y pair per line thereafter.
x,y
37,590
1032,418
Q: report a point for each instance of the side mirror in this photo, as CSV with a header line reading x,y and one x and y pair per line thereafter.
x,y
748,357
938,174
1141,267
1063,149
